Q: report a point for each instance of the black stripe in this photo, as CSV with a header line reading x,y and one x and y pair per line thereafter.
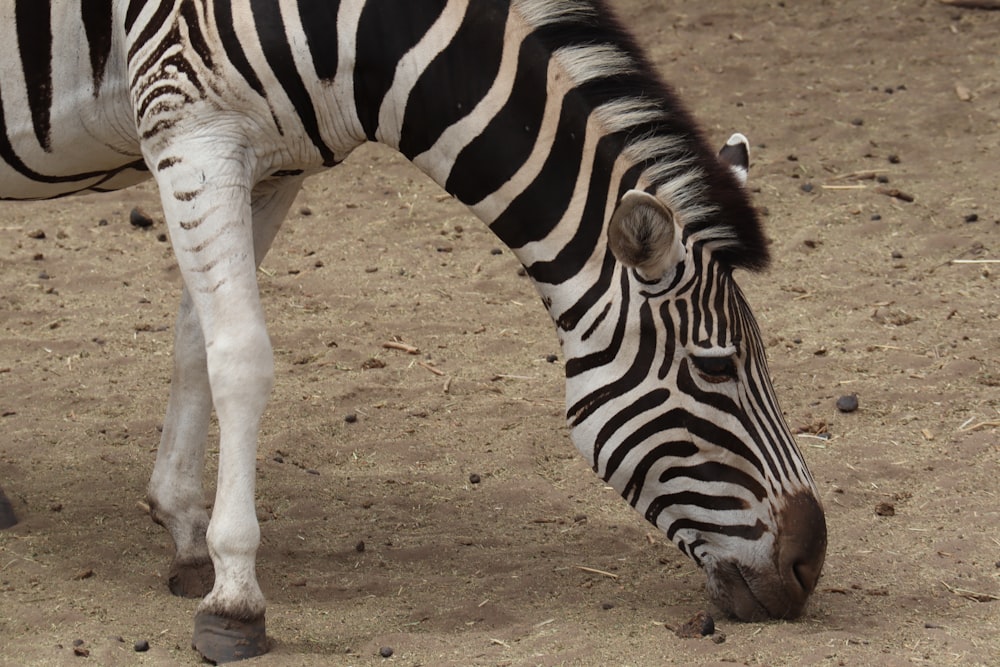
x,y
132,13
681,305
636,482
597,322
195,33
487,162
102,176
645,403
670,342
319,21
454,83
33,19
569,319
578,365
751,533
671,419
386,31
277,50
695,499
234,50
715,472
97,22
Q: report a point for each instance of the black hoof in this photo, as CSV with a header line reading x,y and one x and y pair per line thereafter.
x,y
191,579
219,639
7,516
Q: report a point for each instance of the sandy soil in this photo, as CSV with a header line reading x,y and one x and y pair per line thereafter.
x,y
865,297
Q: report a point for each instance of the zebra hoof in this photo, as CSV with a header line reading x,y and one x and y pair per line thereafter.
x,y
7,516
220,640
191,579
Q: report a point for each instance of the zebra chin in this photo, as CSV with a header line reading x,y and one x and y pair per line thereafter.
x,y
780,588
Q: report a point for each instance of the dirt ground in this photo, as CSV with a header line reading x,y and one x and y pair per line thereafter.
x,y
374,534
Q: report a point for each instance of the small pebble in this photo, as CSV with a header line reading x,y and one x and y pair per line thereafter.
x,y
972,217
806,187
103,222
857,122
305,210
162,238
882,178
139,218
876,217
350,418
36,234
607,605
893,159
474,478
897,255
496,251
141,646
551,358
386,651
885,509
848,403
360,546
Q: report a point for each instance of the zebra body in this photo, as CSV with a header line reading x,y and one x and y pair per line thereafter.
x,y
544,118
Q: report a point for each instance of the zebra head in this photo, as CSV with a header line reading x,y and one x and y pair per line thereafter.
x,y
669,397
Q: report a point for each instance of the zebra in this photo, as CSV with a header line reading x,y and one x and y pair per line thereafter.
x,y
545,118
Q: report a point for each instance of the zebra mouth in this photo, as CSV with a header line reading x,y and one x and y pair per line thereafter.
x,y
734,591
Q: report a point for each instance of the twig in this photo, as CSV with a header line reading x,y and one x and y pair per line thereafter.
x,y
975,261
971,595
866,175
431,368
896,193
609,575
403,347
976,427
859,186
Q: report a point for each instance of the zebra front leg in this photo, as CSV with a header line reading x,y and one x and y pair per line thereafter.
x,y
176,497
218,249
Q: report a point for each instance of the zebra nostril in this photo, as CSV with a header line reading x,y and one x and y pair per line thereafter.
x,y
807,575
802,547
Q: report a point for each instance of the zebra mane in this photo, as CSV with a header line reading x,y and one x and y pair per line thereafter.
x,y
629,98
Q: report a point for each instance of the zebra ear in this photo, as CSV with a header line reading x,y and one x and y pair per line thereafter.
x,y
643,235
736,155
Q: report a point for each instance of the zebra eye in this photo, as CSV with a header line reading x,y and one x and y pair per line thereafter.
x,y
715,369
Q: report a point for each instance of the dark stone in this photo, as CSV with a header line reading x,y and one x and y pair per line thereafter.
x,y
139,218
848,403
